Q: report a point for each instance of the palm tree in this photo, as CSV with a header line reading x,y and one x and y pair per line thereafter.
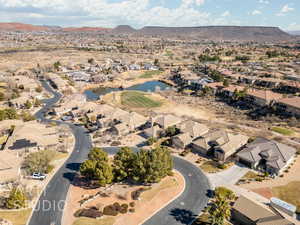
x,y
220,211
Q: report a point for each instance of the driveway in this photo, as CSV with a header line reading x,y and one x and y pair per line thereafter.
x,y
229,176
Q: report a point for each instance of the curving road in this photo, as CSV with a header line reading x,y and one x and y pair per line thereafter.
x,y
48,210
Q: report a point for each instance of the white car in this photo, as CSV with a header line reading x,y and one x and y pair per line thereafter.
x,y
38,176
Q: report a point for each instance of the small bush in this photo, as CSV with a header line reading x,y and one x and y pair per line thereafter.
x,y
222,166
110,210
124,208
90,213
117,206
49,169
132,210
132,204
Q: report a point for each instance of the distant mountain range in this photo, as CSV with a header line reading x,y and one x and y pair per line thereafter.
x,y
215,33
297,32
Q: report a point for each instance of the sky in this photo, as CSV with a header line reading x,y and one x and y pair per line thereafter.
x,y
138,13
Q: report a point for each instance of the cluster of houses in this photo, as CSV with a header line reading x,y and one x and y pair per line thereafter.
x,y
285,105
261,154
21,88
96,73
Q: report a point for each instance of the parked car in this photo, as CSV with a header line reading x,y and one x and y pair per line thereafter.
x,y
38,176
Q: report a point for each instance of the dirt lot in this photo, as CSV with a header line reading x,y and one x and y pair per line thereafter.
x,y
150,200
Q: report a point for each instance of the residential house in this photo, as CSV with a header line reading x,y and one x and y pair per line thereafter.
x,y
290,106
32,136
219,143
262,97
189,130
165,121
266,155
247,211
70,103
193,128
182,140
153,132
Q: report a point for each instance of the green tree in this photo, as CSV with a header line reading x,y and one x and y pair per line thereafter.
x,y
122,164
104,173
87,169
97,167
98,154
152,166
16,200
220,211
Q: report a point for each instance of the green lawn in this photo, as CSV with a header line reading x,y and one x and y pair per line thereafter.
x,y
136,99
289,193
89,221
16,217
282,130
150,74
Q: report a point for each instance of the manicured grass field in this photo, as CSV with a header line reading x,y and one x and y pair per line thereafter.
x,y
289,193
282,130
136,99
150,74
16,217
89,221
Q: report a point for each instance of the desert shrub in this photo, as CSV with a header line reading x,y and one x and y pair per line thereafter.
x,y
16,200
91,213
132,204
110,210
222,166
124,208
49,169
132,210
224,193
117,206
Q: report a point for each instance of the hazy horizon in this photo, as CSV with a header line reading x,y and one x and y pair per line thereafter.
x,y
140,13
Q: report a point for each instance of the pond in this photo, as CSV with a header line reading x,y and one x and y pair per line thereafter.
x,y
150,86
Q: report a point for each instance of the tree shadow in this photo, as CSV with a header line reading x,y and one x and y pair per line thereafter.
x,y
183,216
69,176
73,166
